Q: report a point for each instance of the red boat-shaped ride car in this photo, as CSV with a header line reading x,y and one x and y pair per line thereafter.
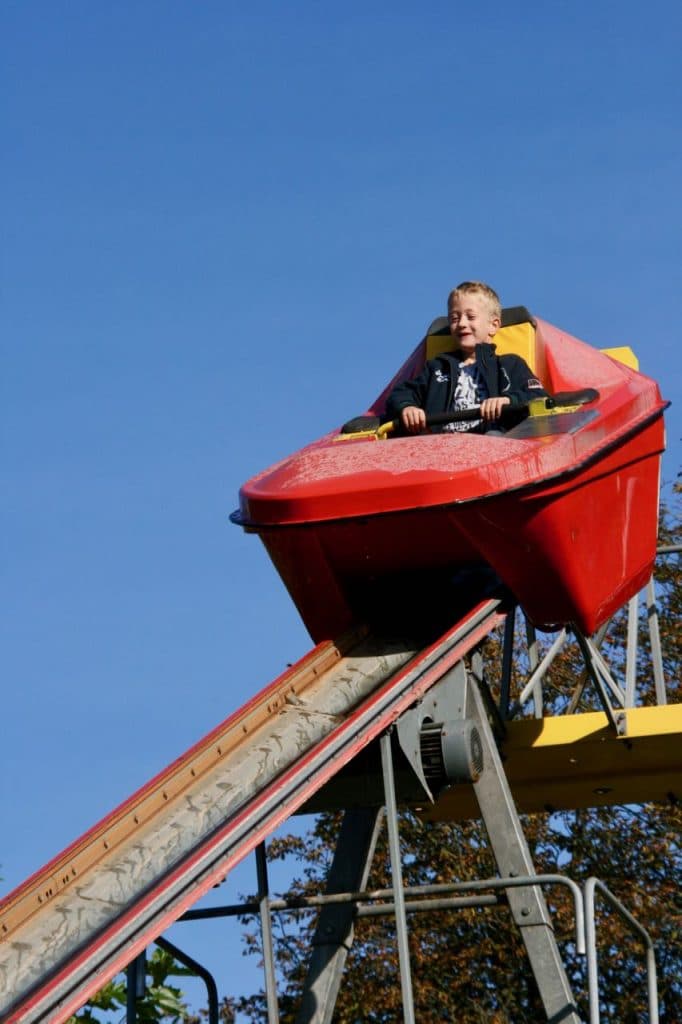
x,y
563,507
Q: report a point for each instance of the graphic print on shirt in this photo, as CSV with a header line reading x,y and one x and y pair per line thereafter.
x,y
470,391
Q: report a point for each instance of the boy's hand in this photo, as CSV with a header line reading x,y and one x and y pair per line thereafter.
x,y
491,408
413,419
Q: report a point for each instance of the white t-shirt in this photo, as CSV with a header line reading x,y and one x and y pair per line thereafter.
x,y
469,391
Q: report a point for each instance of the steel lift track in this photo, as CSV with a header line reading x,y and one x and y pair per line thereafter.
x,y
95,907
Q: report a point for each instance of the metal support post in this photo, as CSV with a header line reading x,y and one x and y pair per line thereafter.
x,y
513,858
539,672
397,877
136,985
603,681
655,637
631,652
334,933
534,661
507,662
597,640
266,931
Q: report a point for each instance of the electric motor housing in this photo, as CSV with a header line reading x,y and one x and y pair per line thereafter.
x,y
451,752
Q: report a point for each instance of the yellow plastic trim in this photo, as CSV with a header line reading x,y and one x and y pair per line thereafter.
x,y
624,355
380,434
538,407
357,436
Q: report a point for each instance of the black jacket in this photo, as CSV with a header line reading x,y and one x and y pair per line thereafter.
x,y
433,388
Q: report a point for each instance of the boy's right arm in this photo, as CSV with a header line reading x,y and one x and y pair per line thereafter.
x,y
408,394
406,402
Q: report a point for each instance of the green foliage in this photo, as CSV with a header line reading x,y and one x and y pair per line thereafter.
x,y
162,1002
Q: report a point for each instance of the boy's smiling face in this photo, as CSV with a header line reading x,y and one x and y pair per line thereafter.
x,y
471,320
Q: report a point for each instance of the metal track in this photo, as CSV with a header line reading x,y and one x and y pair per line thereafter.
x,y
93,909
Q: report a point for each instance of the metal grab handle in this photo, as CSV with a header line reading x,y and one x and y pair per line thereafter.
x,y
591,942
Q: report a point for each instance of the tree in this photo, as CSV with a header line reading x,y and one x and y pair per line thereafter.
x,y
469,965
162,1003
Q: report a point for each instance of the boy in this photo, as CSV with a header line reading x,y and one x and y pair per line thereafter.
x,y
471,374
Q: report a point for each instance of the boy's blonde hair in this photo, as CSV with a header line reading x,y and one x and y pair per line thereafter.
x,y
466,287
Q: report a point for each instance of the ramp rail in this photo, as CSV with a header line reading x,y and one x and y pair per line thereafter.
x,y
93,909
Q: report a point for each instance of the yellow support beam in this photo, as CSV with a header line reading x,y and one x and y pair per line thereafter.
x,y
576,761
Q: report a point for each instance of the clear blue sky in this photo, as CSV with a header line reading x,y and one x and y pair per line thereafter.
x,y
224,225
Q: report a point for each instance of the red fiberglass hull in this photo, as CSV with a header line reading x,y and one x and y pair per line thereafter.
x,y
563,509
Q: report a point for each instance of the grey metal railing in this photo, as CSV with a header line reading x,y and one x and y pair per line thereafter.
x,y
591,886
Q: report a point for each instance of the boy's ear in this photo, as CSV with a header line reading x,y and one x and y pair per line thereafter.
x,y
495,324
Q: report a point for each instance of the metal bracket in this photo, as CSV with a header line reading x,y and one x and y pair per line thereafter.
x,y
604,682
